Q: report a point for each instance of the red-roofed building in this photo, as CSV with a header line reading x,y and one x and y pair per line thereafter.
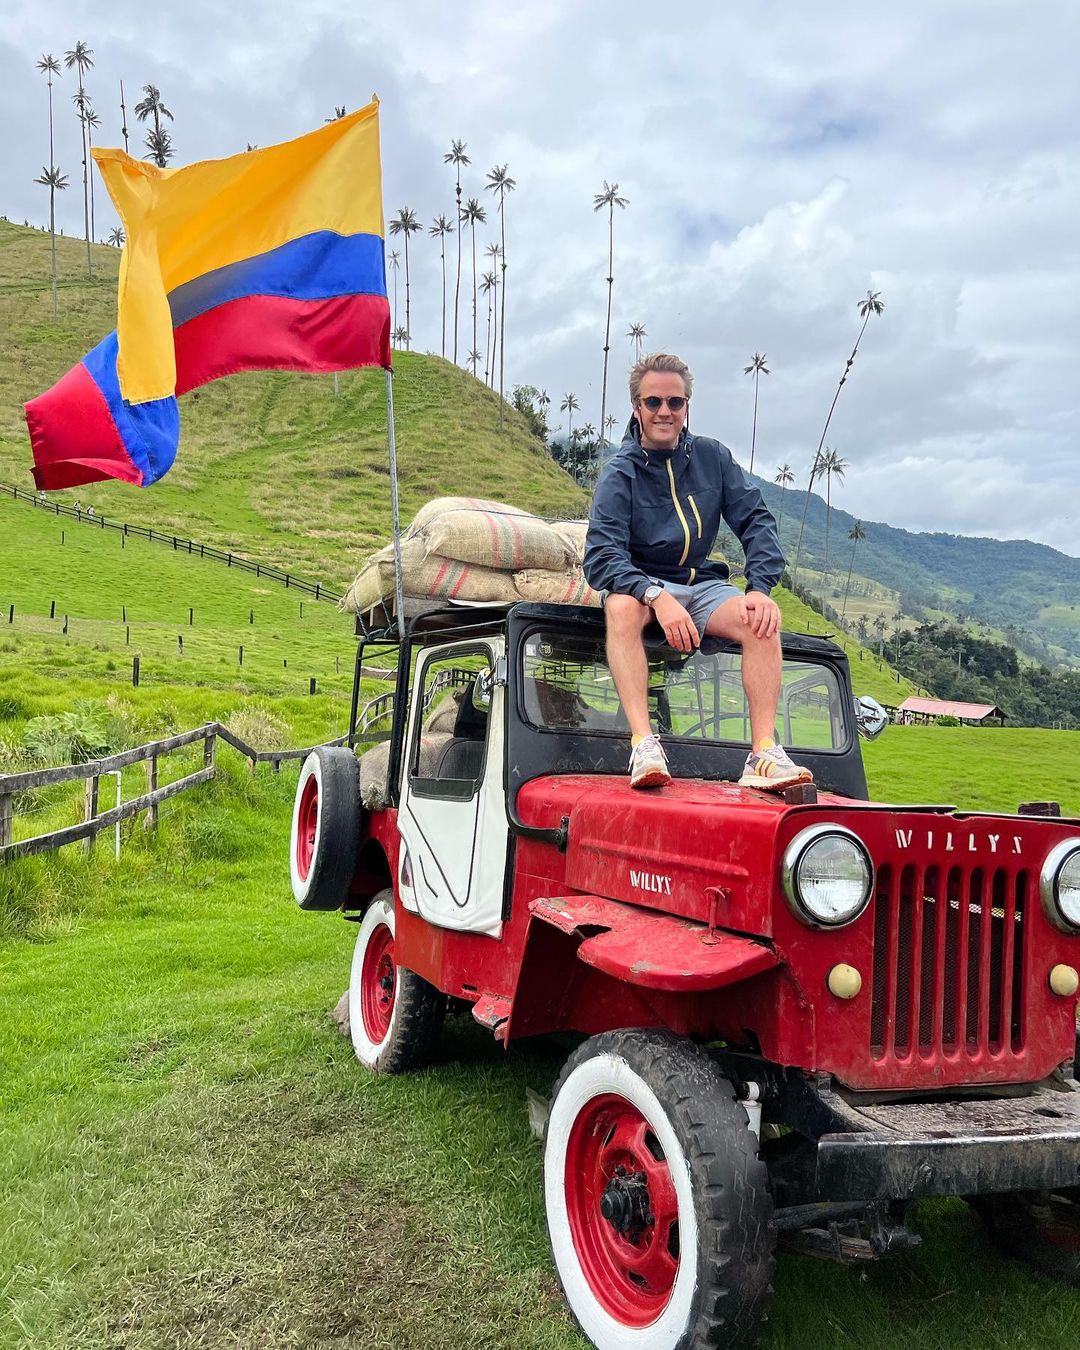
x,y
926,709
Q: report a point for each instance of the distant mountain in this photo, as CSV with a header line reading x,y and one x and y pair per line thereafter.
x,y
1012,584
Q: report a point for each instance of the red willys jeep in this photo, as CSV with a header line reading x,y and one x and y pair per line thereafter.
x,y
801,1013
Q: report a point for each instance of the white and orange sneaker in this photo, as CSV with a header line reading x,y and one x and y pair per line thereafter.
x,y
648,764
774,769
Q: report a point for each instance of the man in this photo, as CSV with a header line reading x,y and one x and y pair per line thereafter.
x,y
654,519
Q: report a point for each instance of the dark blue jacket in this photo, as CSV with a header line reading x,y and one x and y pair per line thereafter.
x,y
656,514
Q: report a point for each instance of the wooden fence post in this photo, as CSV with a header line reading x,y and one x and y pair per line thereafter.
x,y
91,809
151,786
209,747
6,831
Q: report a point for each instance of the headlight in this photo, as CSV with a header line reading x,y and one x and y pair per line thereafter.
x,y
827,876
1059,886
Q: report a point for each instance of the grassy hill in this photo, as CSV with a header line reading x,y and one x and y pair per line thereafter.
x,y
271,463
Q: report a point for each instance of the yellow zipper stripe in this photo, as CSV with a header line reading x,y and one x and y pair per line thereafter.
x,y
679,513
693,507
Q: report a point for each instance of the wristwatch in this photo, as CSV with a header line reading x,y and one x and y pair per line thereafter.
x,y
652,594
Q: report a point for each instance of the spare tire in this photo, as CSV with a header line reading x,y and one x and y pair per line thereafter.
x,y
325,828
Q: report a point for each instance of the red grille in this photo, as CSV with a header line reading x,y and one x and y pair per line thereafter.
x,y
948,957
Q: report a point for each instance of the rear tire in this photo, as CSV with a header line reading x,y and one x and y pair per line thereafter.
x,y
1040,1228
325,828
657,1203
394,1016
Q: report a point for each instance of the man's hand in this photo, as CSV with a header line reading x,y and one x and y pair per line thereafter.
x,y
760,613
677,624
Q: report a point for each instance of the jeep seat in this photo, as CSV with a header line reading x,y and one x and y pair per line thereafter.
x,y
463,755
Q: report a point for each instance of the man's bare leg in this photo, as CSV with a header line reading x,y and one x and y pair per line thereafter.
x,y
762,662
626,619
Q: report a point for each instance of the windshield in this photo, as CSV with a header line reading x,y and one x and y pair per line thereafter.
x,y
568,687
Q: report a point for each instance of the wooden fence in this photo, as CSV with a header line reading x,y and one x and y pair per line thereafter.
x,y
177,543
94,819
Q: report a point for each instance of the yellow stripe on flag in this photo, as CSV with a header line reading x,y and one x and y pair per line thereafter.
x,y
182,223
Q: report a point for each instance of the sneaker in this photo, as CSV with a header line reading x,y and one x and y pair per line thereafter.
x,y
773,769
648,764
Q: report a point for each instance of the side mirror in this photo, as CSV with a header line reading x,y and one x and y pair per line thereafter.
x,y
871,717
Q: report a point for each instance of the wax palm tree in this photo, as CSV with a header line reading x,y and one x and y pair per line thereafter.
x,y
757,368
569,405
158,140
439,229
500,182
400,337
339,113
854,534
395,267
610,199
543,401
785,478
834,467
117,236
487,288
457,157
474,359
873,304
636,334
50,66
609,427
405,223
81,58
92,121
56,182
473,214
880,625
495,254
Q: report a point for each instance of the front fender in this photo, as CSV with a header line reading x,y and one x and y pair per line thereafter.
x,y
652,950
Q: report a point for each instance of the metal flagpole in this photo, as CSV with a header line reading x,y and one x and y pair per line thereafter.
x,y
399,593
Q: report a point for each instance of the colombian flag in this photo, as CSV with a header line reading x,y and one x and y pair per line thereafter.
x,y
270,260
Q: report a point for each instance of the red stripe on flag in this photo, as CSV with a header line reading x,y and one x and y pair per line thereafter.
x,y
270,332
73,435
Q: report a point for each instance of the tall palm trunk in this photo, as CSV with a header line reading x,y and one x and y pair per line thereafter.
x,y
847,584
52,199
828,525
442,242
821,442
123,118
780,519
753,432
472,230
408,311
90,173
502,313
487,342
495,324
85,179
607,326
457,283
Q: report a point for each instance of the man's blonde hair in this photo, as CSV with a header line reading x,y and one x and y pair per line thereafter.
x,y
663,362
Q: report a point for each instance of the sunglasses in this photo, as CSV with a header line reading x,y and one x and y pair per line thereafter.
x,y
654,404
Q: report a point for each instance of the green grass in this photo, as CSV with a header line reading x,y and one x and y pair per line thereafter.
x,y
271,464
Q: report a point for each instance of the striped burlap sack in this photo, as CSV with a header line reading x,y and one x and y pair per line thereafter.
x,y
572,533
375,765
556,588
426,576
491,534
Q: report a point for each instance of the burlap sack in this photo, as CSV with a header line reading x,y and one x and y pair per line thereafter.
x,y
438,506
375,762
572,533
556,588
495,536
426,576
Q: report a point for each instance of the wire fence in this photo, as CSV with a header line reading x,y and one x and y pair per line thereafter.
x,y
230,557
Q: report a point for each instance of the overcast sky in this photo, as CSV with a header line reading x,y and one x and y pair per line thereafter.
x,y
779,160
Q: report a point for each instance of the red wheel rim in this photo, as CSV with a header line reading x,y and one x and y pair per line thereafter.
x,y
378,984
623,1210
307,822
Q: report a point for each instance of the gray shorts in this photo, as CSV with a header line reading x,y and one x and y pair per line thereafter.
x,y
699,601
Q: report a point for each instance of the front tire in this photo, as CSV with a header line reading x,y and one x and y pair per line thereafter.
x,y
394,1016
1042,1229
657,1203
